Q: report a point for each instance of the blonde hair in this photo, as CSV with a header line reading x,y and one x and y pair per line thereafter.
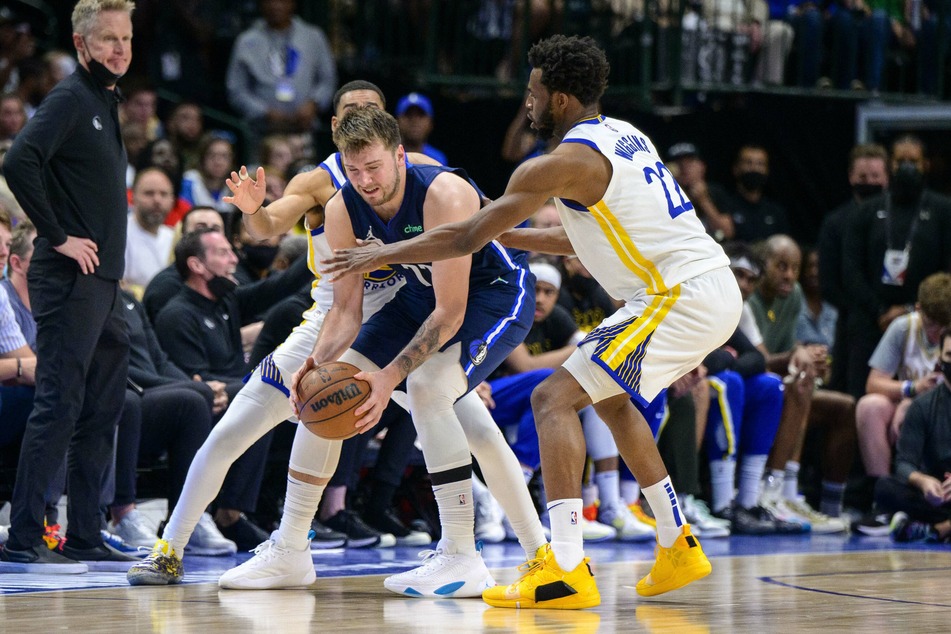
x,y
362,127
934,296
86,12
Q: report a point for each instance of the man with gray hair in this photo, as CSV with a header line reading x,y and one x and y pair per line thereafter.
x,y
67,169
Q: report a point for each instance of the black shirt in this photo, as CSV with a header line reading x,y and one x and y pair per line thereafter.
x,y
876,226
149,366
67,170
752,222
553,333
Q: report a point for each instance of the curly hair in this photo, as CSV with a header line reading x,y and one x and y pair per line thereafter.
x,y
572,65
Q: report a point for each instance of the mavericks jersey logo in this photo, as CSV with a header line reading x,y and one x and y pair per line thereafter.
x,y
478,351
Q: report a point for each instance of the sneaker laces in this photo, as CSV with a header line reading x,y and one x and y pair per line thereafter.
x,y
268,550
530,566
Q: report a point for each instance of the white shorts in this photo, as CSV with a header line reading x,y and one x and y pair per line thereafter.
x,y
277,368
653,340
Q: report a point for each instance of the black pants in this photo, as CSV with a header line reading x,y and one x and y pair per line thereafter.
x,y
892,496
82,364
175,418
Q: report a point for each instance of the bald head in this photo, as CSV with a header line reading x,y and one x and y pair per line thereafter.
x,y
783,260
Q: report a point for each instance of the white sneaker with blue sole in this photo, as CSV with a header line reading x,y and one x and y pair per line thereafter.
x,y
445,573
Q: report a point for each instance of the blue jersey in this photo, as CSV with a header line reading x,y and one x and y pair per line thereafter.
x,y
491,264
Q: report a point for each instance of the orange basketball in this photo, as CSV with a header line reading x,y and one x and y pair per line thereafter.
x,y
328,395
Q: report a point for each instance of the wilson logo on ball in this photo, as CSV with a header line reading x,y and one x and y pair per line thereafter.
x,y
339,397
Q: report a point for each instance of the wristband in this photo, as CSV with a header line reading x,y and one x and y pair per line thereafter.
x,y
260,207
19,367
908,389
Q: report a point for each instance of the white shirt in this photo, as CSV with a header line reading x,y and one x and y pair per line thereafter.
x,y
145,253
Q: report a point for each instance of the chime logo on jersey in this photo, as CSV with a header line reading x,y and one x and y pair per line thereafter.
x,y
478,351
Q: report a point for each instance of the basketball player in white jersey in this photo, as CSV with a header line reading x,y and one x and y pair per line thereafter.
x,y
637,233
262,404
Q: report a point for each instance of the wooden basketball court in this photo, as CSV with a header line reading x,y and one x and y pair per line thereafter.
x,y
757,585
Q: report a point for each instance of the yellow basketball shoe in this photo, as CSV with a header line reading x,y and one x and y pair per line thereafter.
x,y
546,585
676,566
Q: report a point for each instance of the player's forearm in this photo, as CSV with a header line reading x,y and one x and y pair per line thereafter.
x,y
275,219
431,336
553,241
337,334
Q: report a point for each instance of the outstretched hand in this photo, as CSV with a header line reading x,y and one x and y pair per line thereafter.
x,y
247,193
359,259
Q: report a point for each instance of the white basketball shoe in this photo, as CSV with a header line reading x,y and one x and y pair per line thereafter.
x,y
444,573
274,565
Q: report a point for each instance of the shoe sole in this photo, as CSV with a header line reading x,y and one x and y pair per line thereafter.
x,y
574,602
327,545
268,584
49,569
151,579
453,590
684,576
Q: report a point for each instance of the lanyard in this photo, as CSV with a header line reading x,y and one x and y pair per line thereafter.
x,y
888,225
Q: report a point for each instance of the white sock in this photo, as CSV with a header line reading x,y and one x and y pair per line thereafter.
x,y
503,474
609,489
630,491
314,457
300,504
663,501
457,514
722,477
567,539
751,474
791,480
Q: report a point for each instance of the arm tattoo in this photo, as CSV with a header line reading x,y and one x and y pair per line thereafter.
x,y
424,343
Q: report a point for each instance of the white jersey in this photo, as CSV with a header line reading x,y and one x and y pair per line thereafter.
x,y
643,235
918,356
379,286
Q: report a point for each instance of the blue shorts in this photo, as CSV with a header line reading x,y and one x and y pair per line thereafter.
x,y
498,317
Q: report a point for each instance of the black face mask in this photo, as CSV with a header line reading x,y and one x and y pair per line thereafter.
x,y
946,371
864,191
259,256
220,286
907,183
752,181
103,76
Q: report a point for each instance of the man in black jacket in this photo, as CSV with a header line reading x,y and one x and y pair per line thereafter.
x,y
67,170
200,330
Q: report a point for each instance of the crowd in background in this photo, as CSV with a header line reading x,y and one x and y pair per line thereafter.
x,y
824,413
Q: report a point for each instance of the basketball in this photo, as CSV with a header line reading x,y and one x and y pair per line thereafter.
x,y
328,395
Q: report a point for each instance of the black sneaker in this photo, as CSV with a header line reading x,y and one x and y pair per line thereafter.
x,y
359,535
386,521
102,552
39,559
323,538
245,533
780,527
873,525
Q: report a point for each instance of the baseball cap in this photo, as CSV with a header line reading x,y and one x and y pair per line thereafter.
x,y
417,100
682,150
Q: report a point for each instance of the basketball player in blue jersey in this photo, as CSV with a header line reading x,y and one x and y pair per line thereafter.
x,y
637,233
443,333
284,560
